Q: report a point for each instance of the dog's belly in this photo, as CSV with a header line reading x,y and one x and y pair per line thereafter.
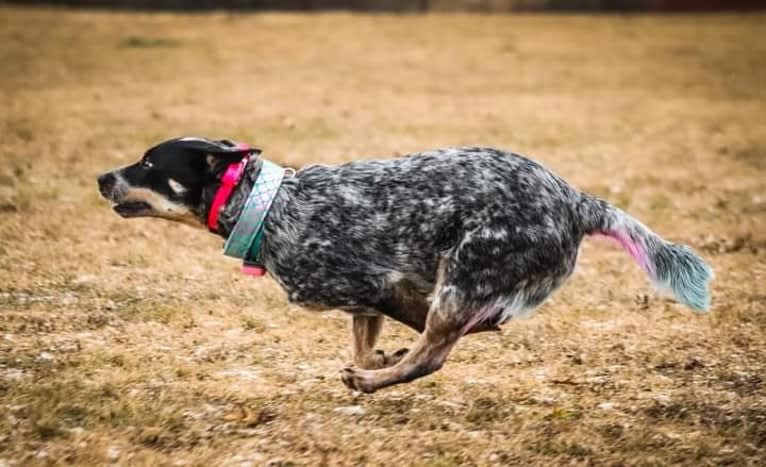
x,y
402,297
488,282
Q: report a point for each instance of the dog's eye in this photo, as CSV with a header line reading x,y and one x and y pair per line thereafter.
x,y
147,164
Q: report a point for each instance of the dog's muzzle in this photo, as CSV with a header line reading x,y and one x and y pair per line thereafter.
x,y
113,190
106,183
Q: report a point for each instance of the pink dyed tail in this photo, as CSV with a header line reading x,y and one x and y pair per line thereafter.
x,y
670,266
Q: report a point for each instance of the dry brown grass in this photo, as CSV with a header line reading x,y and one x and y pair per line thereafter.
x,y
136,342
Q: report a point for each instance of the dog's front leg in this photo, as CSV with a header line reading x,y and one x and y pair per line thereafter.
x,y
428,355
366,331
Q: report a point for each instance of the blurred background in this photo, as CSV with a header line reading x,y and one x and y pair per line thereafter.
x,y
136,342
425,5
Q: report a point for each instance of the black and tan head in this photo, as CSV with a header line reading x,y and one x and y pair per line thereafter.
x,y
173,180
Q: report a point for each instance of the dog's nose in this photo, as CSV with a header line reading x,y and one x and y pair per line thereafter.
x,y
106,184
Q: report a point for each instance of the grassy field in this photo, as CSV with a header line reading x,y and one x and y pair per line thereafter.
x,y
138,343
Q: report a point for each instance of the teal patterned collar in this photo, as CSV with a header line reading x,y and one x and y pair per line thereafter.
x,y
247,235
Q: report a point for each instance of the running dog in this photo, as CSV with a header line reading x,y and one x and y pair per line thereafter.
x,y
448,242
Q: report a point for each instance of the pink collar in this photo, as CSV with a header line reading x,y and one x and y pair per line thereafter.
x,y
229,180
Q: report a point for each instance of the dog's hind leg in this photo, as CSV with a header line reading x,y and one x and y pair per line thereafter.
x,y
427,356
443,327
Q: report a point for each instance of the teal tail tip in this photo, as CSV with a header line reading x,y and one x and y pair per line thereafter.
x,y
698,298
687,276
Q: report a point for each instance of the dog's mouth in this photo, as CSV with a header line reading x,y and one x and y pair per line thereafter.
x,y
132,208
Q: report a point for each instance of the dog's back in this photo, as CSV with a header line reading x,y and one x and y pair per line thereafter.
x,y
359,227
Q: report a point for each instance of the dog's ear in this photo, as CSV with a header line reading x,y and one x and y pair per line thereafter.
x,y
217,154
220,148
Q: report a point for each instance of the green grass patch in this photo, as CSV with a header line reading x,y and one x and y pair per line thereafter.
x,y
142,42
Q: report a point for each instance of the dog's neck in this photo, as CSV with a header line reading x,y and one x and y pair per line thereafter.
x,y
230,213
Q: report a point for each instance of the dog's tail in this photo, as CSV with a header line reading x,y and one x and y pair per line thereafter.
x,y
672,267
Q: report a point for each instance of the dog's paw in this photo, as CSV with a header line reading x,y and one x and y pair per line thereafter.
x,y
373,360
358,380
379,359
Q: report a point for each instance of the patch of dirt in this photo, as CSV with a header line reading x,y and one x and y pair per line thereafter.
x,y
138,343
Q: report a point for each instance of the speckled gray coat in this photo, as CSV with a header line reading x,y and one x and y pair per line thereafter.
x,y
359,236
352,236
